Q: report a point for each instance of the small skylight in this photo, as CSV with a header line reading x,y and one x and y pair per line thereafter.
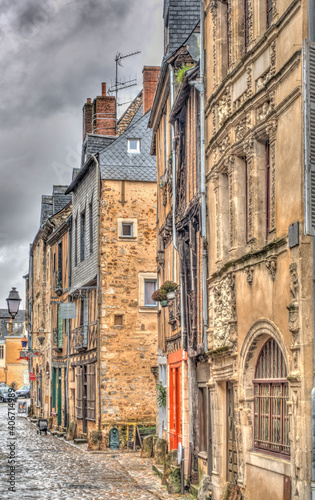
x,y
133,146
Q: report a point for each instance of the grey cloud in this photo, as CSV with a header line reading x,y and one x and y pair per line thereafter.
x,y
55,54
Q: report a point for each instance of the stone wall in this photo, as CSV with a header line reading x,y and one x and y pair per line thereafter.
x,y
128,345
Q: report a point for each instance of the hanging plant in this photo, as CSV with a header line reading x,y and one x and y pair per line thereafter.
x,y
169,286
161,397
159,295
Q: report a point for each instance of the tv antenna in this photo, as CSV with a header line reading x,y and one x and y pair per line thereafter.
x,y
121,85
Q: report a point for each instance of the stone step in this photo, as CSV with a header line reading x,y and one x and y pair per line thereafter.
x,y
158,470
80,441
54,433
60,434
34,420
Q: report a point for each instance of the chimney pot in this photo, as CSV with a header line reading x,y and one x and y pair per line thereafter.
x,y
88,100
103,89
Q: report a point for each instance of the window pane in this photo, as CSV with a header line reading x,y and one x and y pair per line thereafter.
x,y
149,288
126,229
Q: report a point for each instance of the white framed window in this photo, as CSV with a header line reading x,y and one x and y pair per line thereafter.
x,y
147,285
127,229
150,286
133,146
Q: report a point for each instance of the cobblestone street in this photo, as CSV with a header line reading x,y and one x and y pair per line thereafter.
x,y
49,468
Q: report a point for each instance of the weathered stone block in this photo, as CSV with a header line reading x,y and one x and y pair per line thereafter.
x,y
147,450
95,440
170,460
160,451
174,479
203,493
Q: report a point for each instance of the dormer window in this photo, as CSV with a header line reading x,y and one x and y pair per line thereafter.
x,y
133,146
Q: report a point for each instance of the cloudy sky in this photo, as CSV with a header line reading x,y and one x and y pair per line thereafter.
x,y
54,54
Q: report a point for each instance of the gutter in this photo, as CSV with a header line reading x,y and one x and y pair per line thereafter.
x,y
201,89
203,182
98,174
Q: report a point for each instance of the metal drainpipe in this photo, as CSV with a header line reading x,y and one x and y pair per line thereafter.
x,y
313,390
203,181
98,174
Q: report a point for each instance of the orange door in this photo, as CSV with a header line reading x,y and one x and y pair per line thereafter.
x,y
175,403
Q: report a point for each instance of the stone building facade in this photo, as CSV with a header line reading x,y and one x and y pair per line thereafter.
x,y
260,333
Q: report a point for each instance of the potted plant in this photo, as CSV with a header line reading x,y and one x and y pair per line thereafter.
x,y
160,296
169,287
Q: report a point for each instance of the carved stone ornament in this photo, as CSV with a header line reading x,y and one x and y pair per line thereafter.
x,y
294,283
223,305
223,108
271,264
242,127
263,111
249,274
293,308
224,144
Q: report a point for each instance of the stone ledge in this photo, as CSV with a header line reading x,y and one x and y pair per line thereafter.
x,y
268,462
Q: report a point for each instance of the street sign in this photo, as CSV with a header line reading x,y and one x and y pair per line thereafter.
x,y
67,310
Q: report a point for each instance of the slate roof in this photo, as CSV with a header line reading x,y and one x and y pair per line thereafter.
x,y
47,208
117,164
183,17
60,199
93,143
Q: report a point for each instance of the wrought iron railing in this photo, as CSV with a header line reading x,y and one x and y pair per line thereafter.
x,y
81,338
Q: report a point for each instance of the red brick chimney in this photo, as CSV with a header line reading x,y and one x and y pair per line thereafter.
x,y
87,117
99,117
150,79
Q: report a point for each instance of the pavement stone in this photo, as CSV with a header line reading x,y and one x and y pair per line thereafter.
x,y
50,468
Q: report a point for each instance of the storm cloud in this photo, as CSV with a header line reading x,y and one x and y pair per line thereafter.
x,y
53,55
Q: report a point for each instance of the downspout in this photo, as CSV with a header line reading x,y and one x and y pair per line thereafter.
x,y
203,181
313,390
173,167
98,289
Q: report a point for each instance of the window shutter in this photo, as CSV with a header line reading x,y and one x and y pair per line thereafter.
x,y
309,134
79,392
91,392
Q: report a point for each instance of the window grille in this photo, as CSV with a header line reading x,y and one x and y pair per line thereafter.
x,y
1,352
271,418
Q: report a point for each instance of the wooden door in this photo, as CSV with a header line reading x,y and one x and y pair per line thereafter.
x,y
231,438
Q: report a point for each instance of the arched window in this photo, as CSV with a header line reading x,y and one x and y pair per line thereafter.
x,y
271,419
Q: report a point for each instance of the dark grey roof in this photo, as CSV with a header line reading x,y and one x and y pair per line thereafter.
x,y
75,172
93,143
117,164
60,199
46,209
183,16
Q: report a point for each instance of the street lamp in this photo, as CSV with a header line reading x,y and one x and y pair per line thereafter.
x,y
13,302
